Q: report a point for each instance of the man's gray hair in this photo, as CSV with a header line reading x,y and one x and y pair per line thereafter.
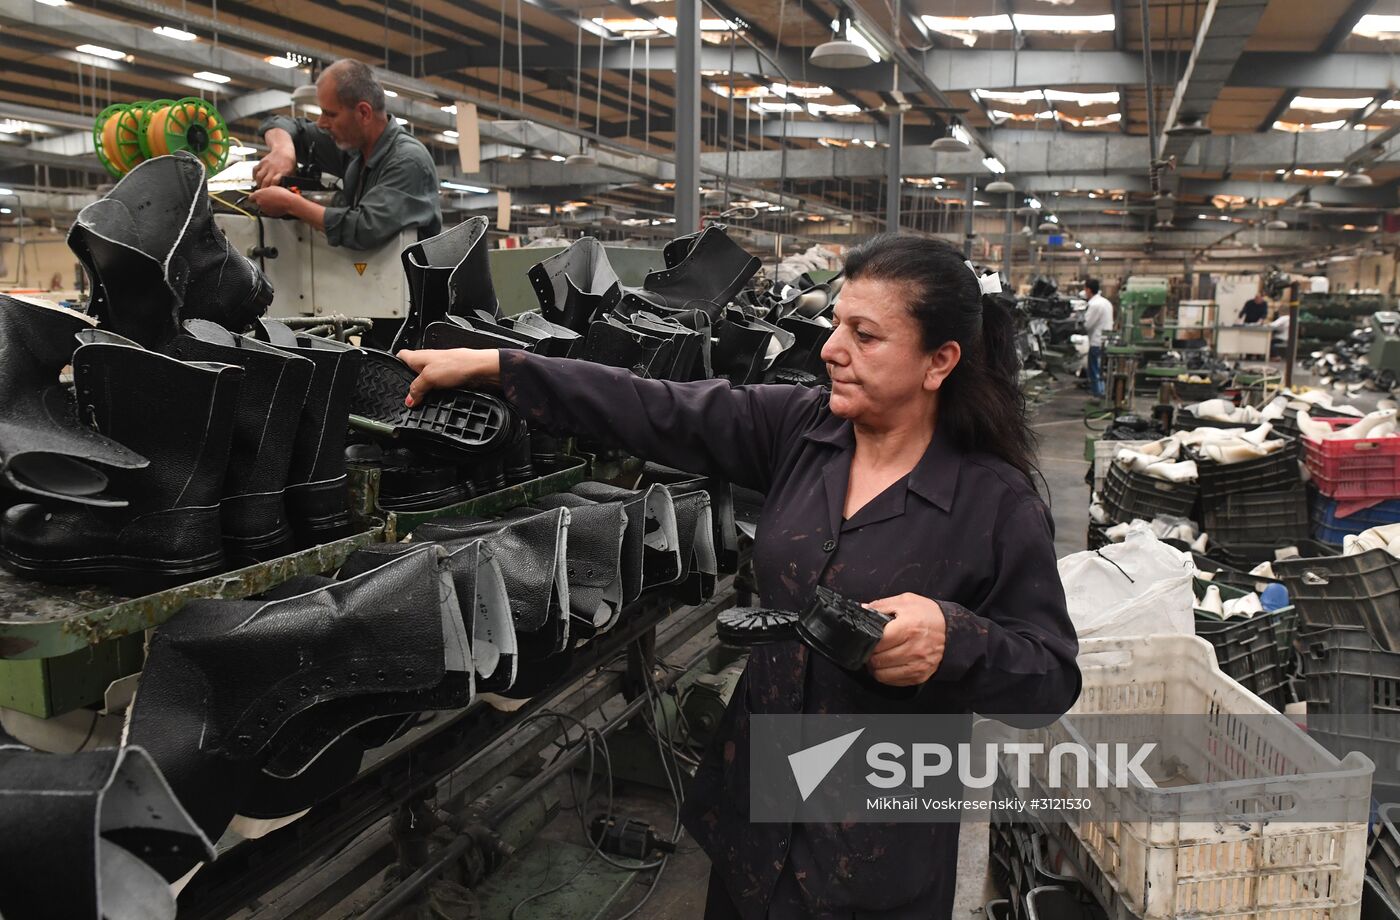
x,y
355,83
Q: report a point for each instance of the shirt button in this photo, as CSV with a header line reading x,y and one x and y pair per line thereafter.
x,y
782,844
828,546
796,701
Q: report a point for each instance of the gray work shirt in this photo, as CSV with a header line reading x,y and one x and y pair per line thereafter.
x,y
396,188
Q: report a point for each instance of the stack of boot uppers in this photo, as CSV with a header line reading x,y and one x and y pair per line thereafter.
x,y
186,447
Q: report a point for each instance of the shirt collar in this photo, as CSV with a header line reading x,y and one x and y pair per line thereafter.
x,y
386,140
934,478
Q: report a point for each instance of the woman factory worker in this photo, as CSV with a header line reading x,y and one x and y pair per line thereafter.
x,y
908,487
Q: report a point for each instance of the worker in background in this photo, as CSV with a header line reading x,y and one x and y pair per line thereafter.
x,y
1256,310
1098,319
390,182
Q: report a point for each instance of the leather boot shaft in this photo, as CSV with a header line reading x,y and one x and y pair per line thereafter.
x,y
268,413
155,256
316,481
448,275
179,415
45,450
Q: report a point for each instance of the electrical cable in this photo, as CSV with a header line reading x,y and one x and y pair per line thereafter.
x,y
592,737
233,207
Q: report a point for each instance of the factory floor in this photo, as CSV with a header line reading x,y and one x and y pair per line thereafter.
x,y
680,893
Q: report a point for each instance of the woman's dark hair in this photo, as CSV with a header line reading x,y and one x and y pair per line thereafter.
x,y
980,405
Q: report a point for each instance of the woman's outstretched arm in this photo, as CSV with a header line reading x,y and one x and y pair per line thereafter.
x,y
736,433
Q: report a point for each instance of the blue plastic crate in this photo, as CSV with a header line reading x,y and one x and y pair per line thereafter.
x,y
1329,528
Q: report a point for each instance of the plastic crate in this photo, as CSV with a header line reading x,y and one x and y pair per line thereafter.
x,y
1356,684
999,909
1247,649
1053,902
1104,452
1187,421
1330,527
1361,590
1278,472
1383,867
1223,574
1189,859
1376,904
1128,495
1245,556
1253,517
1354,468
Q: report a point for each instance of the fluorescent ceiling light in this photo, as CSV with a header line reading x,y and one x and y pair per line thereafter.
x,y
391,94
450,135
1035,203
7,191
1065,95
284,62
637,27
993,165
180,35
52,2
777,107
998,23
1375,25
449,109
1053,219
999,115
555,157
459,187
402,121
15,126
99,51
846,108
802,92
6,211
1298,127
1024,22
1040,22
961,134
1323,104
209,76
1009,97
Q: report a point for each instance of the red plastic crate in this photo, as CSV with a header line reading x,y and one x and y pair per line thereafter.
x,y
1354,468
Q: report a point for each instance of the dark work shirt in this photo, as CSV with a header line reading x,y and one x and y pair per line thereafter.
x,y
396,189
964,529
1255,311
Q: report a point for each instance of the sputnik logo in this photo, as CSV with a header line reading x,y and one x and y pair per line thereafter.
x,y
811,765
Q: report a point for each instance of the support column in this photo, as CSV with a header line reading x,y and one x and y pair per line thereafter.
x,y
687,116
893,171
969,207
1009,238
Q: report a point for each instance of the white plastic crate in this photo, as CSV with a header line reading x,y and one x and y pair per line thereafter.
x,y
1104,452
1190,860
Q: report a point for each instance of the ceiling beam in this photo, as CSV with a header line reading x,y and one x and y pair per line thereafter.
x,y
1031,153
1225,26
